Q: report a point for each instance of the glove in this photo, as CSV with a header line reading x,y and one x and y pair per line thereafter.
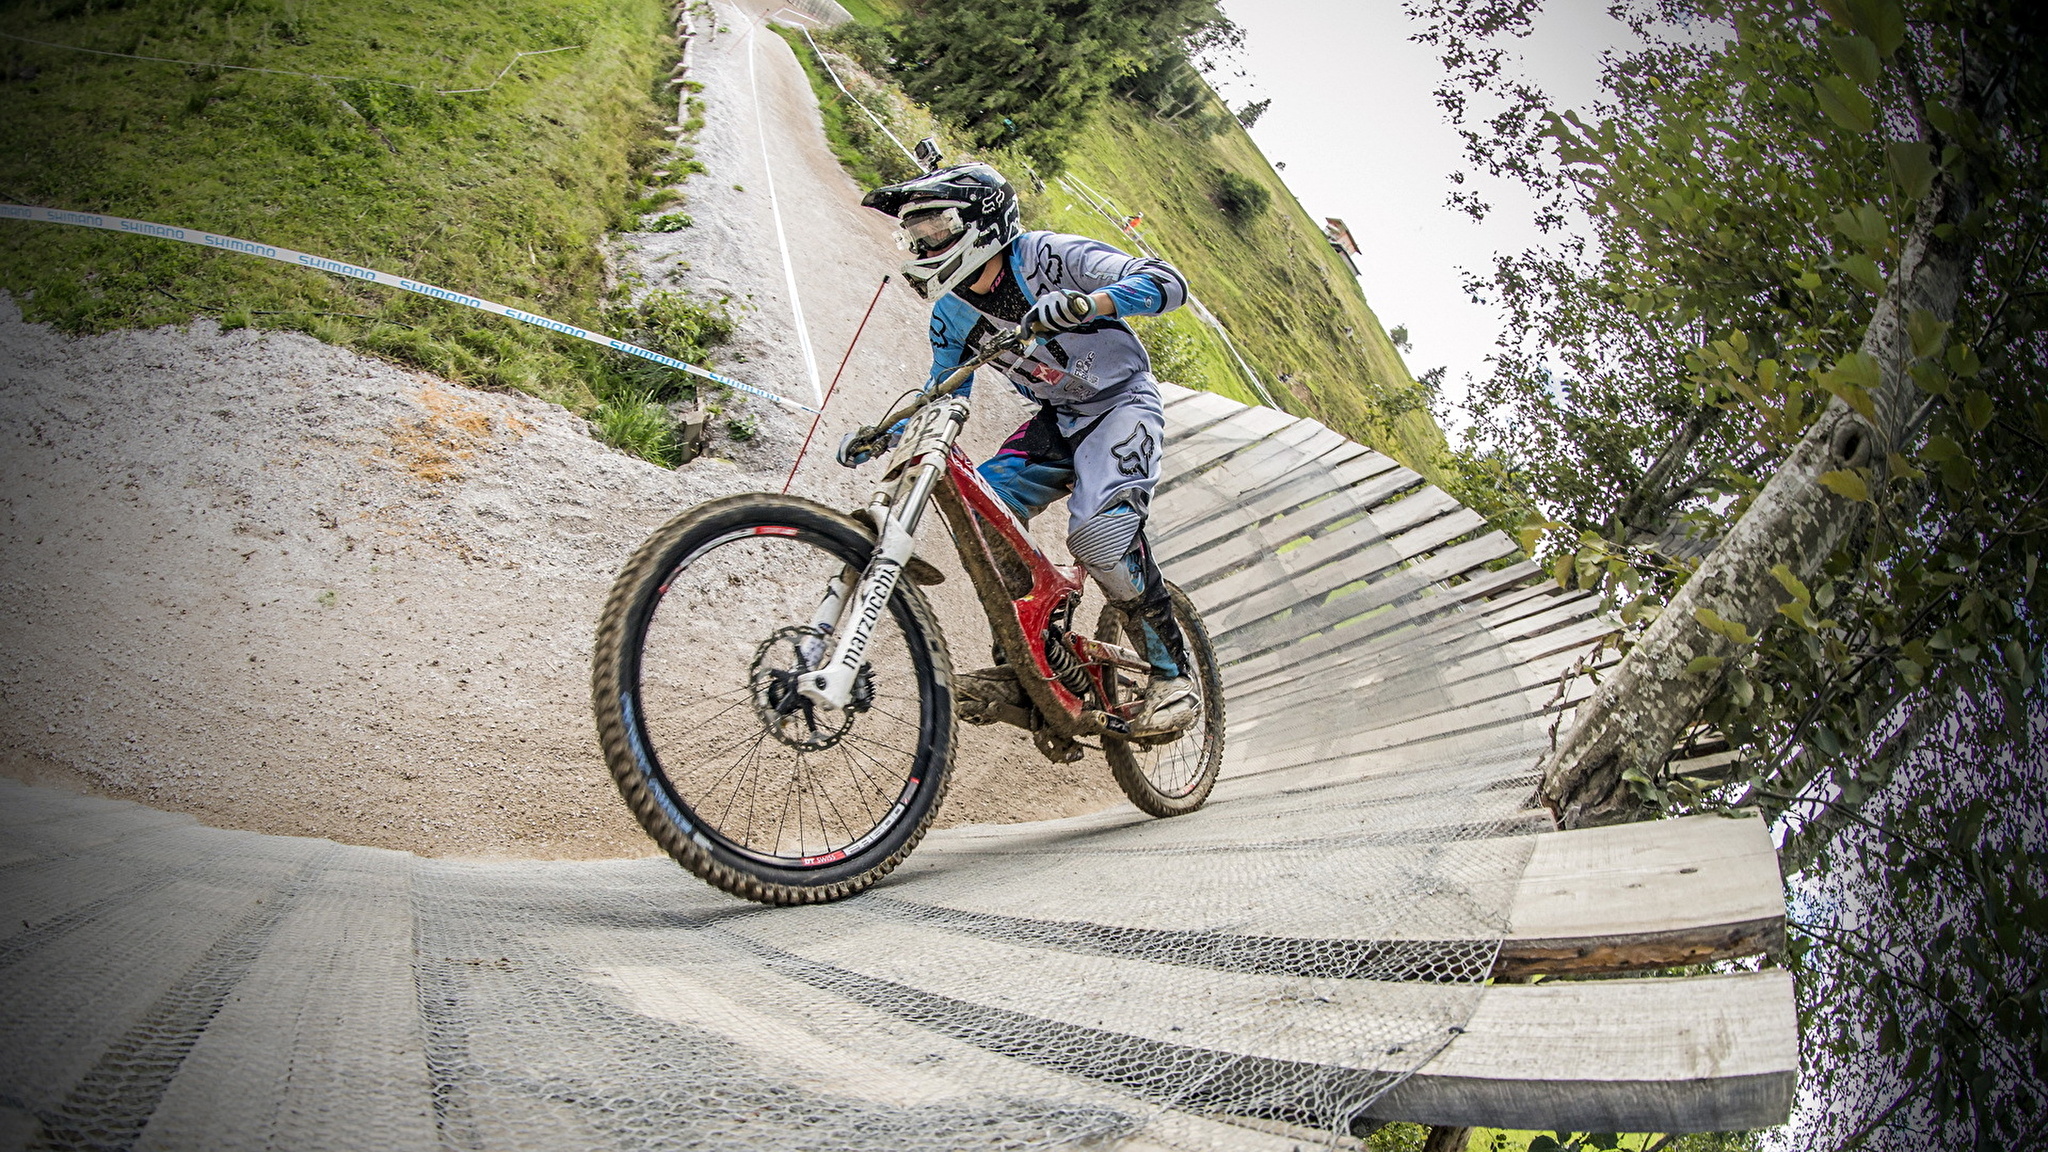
x,y
862,445
1060,311
857,448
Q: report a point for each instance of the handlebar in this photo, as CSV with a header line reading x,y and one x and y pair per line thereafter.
x,y
873,438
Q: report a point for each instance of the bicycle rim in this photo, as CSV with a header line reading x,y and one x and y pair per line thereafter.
x,y
734,762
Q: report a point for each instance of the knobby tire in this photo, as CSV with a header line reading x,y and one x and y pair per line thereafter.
x,y
669,812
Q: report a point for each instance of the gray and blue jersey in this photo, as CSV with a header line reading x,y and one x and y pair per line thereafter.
x,y
1083,372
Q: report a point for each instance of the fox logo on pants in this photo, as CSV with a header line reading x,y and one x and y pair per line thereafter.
x,y
1134,455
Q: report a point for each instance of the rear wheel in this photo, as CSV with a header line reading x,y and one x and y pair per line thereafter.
x,y
734,774
1171,778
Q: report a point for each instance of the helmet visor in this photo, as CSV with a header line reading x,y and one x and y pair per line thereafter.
x,y
923,233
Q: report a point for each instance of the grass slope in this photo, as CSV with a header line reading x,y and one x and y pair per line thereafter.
x,y
505,194
1285,295
1287,298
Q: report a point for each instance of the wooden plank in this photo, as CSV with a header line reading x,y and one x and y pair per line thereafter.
x,y
1311,597
1565,610
1360,535
1305,519
1493,585
1561,639
325,1024
1706,1054
1232,434
1662,889
1419,581
1651,894
1659,1055
1540,597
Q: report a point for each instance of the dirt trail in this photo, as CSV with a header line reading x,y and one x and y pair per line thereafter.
x,y
291,589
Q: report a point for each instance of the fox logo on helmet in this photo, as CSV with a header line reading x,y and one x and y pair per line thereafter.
x,y
984,208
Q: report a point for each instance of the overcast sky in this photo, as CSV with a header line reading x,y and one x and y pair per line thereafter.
x,y
1355,121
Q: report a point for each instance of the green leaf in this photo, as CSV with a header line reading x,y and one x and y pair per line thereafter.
x,y
1857,56
1926,331
1911,670
1864,271
1866,225
1959,474
1732,629
1853,378
1931,377
1977,409
1962,360
1940,448
1792,583
1844,103
2016,661
1705,664
1902,467
1912,165
1846,483
1884,21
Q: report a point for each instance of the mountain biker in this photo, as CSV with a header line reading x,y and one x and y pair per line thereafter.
x,y
1097,436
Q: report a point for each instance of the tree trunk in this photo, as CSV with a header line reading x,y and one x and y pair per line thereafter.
x,y
1646,511
1442,1139
1629,726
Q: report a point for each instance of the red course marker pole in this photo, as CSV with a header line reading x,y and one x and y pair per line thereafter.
x,y
835,384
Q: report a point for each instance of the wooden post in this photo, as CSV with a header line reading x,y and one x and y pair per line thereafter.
x,y
691,435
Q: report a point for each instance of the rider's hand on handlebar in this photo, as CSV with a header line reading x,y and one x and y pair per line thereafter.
x,y
1060,311
864,445
861,446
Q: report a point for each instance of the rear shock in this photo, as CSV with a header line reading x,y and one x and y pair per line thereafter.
x,y
1065,664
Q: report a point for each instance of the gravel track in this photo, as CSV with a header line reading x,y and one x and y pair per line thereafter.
x,y
292,589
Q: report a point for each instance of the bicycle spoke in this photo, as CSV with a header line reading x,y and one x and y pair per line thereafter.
x,y
758,786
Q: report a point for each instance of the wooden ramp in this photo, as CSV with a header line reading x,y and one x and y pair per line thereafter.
x,y
1346,933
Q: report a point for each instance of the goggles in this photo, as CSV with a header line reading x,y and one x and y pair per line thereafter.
x,y
923,233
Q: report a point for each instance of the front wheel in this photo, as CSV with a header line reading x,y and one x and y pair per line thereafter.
x,y
735,775
1174,778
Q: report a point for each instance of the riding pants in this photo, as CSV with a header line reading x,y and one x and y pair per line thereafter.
x,y
1106,465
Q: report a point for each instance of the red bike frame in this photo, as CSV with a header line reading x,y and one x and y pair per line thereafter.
x,y
1023,593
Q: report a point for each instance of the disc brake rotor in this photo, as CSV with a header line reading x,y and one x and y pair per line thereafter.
x,y
780,664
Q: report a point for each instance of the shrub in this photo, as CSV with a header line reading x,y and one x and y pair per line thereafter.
x,y
638,425
673,222
1241,198
873,48
673,324
1172,351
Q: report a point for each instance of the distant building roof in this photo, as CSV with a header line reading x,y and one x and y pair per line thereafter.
x,y
1340,235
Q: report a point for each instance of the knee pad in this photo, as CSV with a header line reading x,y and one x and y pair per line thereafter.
x,y
1107,544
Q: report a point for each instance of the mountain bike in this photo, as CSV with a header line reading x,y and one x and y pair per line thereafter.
x,y
776,702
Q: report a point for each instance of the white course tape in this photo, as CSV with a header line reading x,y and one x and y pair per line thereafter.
x,y
339,268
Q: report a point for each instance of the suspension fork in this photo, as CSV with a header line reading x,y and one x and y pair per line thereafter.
x,y
925,448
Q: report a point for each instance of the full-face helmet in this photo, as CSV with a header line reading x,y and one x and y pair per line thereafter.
x,y
950,221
